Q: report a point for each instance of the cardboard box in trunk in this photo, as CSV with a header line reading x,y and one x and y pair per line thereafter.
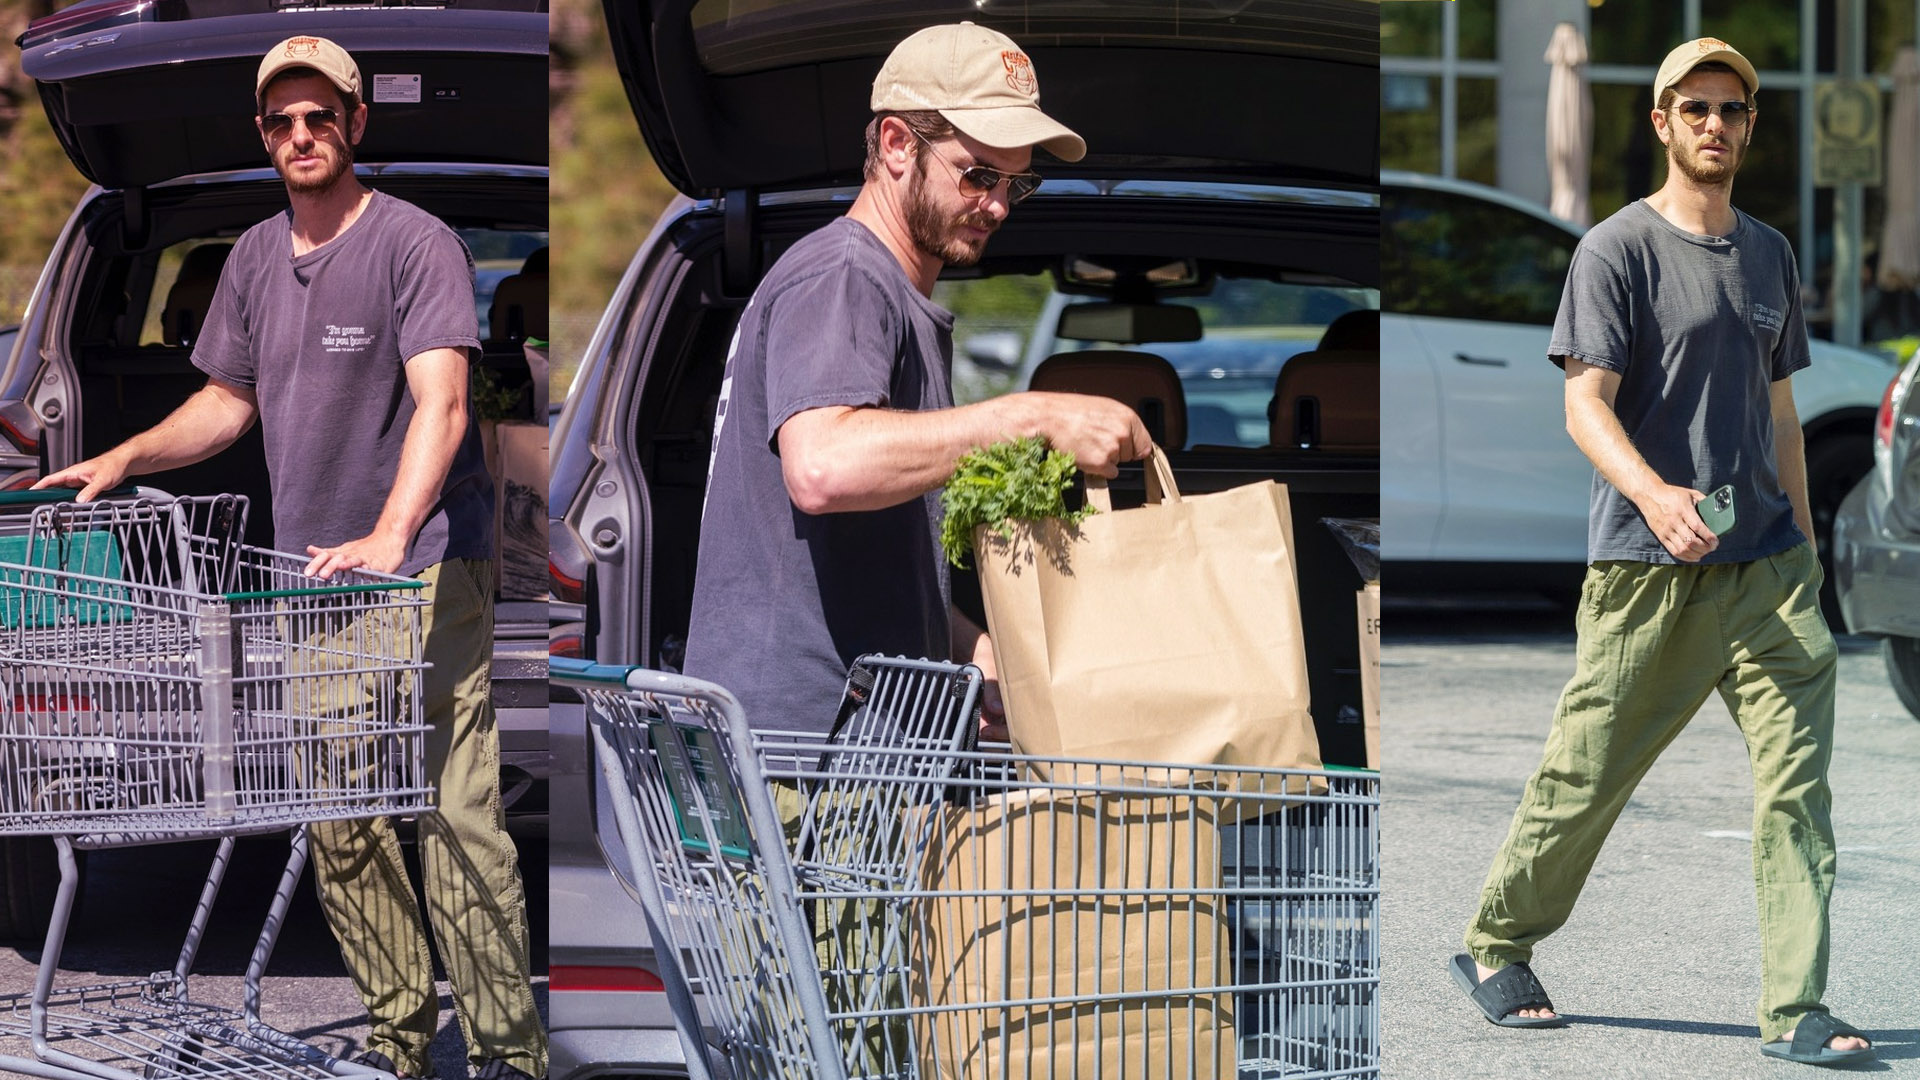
x,y
517,460
1095,929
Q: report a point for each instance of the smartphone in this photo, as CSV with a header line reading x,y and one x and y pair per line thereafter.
x,y
1716,510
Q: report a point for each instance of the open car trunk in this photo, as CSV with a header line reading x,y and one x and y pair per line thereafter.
x,y
670,428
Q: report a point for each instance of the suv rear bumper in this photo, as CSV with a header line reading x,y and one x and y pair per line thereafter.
x,y
1877,575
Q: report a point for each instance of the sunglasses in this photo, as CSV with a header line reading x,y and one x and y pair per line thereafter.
x,y
278,124
1732,113
979,181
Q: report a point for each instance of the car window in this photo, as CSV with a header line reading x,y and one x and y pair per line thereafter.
x,y
189,300
497,255
1457,257
993,320
1004,325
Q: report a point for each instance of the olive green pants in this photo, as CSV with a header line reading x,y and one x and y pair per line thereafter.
x,y
850,939
1654,641
474,895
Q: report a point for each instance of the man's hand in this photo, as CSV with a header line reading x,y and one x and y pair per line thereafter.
x,y
92,476
374,552
972,646
1099,432
993,712
1670,512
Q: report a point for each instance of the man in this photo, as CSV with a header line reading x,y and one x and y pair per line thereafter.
x,y
344,326
1679,332
820,539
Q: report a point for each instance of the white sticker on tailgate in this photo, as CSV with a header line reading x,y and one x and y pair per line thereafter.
x,y
396,88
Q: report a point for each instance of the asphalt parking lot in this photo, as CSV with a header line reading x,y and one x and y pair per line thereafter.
x,y
136,907
1658,969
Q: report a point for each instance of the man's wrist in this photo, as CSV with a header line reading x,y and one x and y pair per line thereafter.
x,y
121,459
396,535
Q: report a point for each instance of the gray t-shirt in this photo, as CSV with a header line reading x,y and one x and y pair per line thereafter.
x,y
322,339
784,601
1699,328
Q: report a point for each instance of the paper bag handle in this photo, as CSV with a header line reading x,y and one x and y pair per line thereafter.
x,y
1160,484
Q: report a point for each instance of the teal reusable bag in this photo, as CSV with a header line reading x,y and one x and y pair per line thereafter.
x,y
96,554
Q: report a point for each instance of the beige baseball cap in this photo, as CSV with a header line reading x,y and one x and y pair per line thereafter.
x,y
315,53
1686,57
980,81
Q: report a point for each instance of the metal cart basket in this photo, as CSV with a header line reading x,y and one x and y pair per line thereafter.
x,y
891,901
161,681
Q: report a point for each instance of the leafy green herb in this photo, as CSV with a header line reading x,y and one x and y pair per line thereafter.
x,y
489,398
1017,480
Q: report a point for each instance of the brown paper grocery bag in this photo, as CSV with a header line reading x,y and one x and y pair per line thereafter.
x,y
1110,909
1369,601
1166,633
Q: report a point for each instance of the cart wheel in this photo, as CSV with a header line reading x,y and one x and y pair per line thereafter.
x,y
181,1055
29,878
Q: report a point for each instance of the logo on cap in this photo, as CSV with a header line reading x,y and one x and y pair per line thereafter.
x,y
1019,72
1707,45
302,47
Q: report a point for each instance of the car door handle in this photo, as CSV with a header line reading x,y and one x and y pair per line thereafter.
x,y
1483,361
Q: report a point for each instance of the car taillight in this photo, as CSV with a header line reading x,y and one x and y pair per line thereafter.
x,y
1883,423
573,645
595,978
569,566
20,426
565,587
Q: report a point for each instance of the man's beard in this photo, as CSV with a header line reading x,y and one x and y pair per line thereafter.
x,y
341,164
932,232
1707,172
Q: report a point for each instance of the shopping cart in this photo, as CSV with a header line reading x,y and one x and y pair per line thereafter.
x,y
162,681
892,901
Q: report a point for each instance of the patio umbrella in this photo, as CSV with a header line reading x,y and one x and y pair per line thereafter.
x,y
1569,124
1900,236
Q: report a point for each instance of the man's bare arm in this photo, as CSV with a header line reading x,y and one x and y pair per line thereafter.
x,y
1668,510
837,459
1790,457
437,379
206,423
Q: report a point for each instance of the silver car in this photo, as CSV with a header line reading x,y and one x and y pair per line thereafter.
x,y
1876,539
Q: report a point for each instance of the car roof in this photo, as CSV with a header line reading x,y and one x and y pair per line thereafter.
x,y
777,96
1392,178
142,92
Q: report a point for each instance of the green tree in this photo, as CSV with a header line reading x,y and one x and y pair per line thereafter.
x,y
605,192
38,185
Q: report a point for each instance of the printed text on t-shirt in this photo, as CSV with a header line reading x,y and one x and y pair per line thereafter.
x,y
346,338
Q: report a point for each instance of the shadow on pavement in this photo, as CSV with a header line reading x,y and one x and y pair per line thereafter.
x,y
137,902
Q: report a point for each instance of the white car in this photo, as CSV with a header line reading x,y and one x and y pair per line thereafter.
x,y
1480,483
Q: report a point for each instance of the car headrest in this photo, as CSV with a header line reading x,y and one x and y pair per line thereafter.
x,y
191,296
1141,380
1358,329
1327,399
520,302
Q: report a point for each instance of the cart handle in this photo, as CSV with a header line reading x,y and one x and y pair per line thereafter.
x,y
570,669
44,496
324,590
